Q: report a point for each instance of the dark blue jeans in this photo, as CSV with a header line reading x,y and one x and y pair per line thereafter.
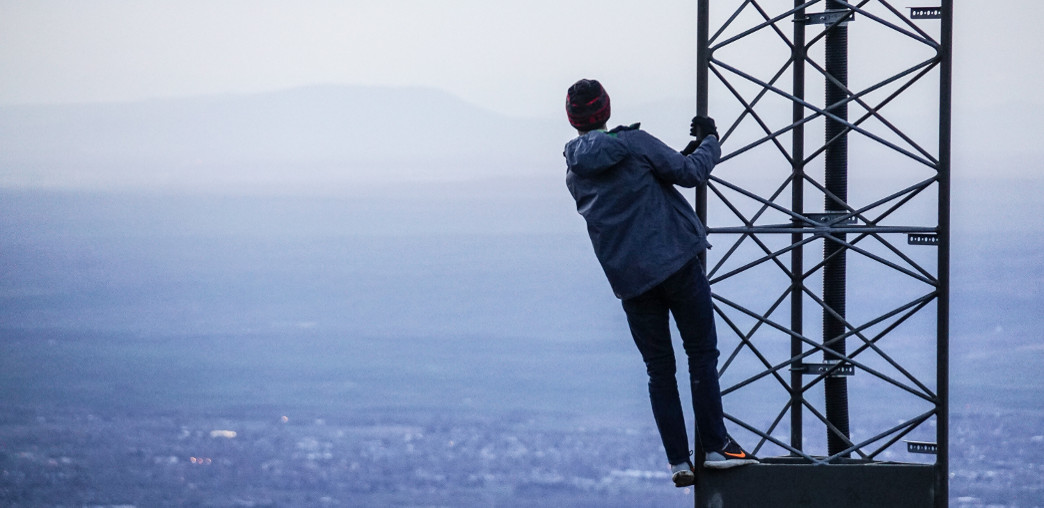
x,y
687,296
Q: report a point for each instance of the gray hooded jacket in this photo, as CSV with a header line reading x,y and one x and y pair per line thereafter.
x,y
642,229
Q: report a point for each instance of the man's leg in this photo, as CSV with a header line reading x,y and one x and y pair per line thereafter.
x,y
690,301
648,318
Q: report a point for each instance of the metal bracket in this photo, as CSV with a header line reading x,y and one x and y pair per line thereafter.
x,y
926,13
828,17
931,239
828,217
922,447
816,369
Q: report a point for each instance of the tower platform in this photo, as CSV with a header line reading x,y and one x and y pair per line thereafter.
x,y
794,482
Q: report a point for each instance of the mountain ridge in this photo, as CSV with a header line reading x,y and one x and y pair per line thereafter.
x,y
319,132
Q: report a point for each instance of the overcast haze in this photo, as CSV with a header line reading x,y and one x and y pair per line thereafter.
x,y
512,57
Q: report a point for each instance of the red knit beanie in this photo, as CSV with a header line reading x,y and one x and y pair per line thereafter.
x,y
587,105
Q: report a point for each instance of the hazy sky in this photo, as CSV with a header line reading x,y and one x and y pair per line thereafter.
x,y
514,57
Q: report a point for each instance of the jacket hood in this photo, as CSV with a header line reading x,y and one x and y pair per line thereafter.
x,y
594,152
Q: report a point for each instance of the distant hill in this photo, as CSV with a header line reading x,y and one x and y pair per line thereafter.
x,y
317,134
333,137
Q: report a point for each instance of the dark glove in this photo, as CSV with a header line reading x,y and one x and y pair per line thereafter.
x,y
691,147
703,126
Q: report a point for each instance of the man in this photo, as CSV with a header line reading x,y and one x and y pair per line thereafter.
x,y
647,238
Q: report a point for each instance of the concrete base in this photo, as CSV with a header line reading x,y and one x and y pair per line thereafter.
x,y
793,482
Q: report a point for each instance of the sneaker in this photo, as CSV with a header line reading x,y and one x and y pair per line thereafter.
x,y
682,475
729,456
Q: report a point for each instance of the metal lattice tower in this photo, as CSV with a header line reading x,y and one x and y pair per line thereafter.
x,y
829,213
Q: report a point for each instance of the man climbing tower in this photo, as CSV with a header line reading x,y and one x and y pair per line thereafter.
x,y
648,238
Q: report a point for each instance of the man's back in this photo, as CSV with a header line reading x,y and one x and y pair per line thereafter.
x,y
641,227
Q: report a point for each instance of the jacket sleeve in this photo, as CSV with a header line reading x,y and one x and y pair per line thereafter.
x,y
671,166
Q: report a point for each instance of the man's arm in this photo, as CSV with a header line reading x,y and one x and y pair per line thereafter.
x,y
671,166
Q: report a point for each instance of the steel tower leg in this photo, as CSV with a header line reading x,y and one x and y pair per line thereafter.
x,y
702,59
942,495
797,198
834,270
